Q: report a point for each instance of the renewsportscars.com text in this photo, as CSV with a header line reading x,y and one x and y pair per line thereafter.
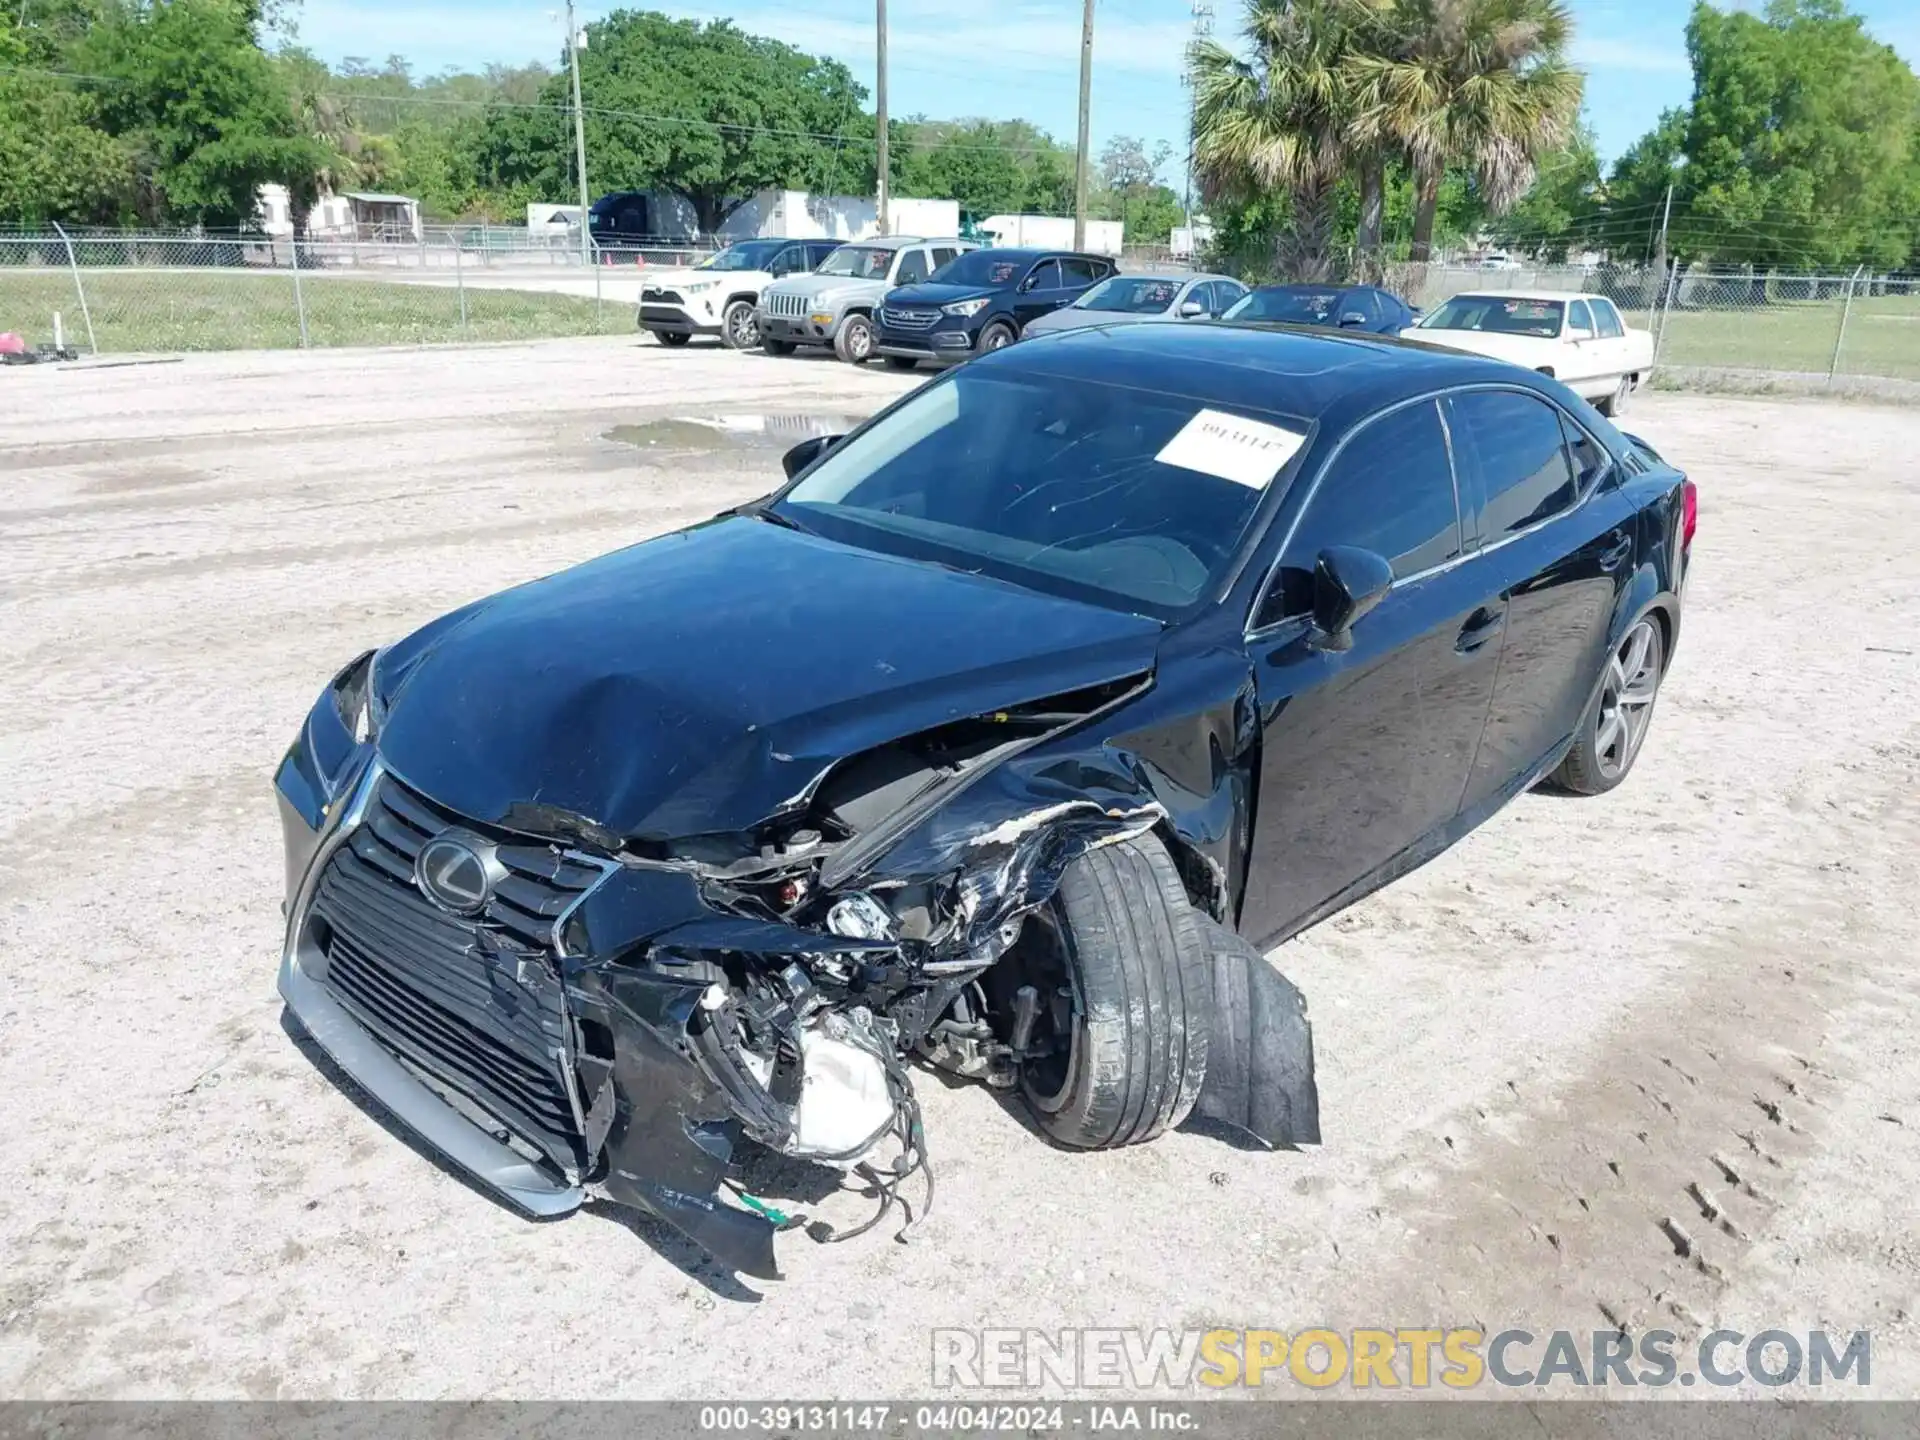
x,y
1386,1359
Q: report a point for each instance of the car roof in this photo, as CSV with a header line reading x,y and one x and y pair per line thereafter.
x,y
1490,293
1301,371
1037,252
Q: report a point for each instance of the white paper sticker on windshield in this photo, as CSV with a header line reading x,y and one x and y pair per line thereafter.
x,y
1247,452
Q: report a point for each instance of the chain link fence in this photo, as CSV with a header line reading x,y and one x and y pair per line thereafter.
x,y
108,292
115,294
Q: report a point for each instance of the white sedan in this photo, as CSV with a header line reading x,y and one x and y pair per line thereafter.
x,y
1580,340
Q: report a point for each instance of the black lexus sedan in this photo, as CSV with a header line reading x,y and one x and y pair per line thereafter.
x,y
1003,737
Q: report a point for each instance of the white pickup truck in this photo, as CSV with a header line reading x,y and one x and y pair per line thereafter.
x,y
1580,340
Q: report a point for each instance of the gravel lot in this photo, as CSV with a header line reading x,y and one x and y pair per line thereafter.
x,y
1528,1051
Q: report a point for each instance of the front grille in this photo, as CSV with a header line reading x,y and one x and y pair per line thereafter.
x,y
475,1003
653,295
909,319
788,307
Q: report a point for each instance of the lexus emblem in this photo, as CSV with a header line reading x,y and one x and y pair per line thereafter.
x,y
457,870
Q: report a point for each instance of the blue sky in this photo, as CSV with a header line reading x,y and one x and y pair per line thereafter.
x,y
1019,58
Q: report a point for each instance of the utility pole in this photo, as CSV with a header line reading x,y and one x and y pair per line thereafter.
x,y
880,103
574,39
1086,103
1665,216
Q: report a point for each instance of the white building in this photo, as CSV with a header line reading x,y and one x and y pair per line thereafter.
x,y
352,215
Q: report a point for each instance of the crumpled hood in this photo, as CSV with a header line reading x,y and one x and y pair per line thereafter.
x,y
703,681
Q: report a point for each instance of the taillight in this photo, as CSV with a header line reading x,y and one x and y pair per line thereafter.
x,y
1689,511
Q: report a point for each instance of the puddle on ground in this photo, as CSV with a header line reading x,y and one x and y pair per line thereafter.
x,y
710,432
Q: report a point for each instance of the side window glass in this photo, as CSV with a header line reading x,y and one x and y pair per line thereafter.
x,y
1516,441
1608,319
1578,317
787,261
1079,272
1230,293
913,268
1389,490
817,253
942,254
1045,276
1590,458
1202,294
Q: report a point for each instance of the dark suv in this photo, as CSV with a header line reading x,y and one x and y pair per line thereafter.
x,y
981,301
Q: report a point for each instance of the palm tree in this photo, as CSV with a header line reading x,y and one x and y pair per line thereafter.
x,y
1481,83
1284,119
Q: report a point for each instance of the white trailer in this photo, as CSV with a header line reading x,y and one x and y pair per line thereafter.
x,y
1054,232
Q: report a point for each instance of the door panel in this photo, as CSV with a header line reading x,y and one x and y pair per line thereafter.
x,y
1364,753
1560,562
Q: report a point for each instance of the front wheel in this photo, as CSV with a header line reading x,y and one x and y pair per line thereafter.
x,y
740,326
998,336
1616,724
901,362
854,343
1119,1048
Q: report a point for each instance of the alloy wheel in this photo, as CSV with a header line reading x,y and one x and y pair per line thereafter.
x,y
744,326
1626,699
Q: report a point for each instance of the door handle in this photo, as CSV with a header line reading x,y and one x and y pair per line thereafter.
x,y
1615,555
1483,625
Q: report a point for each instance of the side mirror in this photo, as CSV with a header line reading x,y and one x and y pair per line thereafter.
x,y
1347,583
1191,309
1352,317
806,452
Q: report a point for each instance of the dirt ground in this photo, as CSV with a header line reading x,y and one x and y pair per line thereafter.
x,y
1528,1051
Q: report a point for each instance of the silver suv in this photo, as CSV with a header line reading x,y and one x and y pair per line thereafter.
x,y
834,305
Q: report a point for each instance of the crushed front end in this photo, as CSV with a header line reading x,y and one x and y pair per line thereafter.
x,y
566,1011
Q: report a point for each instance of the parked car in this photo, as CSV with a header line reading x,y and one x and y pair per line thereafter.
x,y
721,295
1352,307
1580,340
980,302
1078,675
1128,299
834,304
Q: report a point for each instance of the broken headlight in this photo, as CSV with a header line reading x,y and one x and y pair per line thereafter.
x,y
354,700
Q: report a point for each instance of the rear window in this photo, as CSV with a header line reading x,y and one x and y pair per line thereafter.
x,y
1300,306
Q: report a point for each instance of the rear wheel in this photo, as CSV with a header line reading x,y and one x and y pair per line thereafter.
x,y
1119,1050
1616,404
901,362
854,343
778,347
740,326
675,338
1616,724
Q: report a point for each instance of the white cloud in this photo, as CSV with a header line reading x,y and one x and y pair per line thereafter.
x,y
1600,52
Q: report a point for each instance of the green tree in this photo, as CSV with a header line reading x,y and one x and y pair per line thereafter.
x,y
1479,83
54,164
706,111
1802,143
1282,119
198,106
1565,207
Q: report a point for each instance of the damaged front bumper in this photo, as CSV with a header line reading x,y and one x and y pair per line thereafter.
x,y
630,1113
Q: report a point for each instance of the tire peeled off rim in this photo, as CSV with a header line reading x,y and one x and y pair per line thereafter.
x,y
1141,979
